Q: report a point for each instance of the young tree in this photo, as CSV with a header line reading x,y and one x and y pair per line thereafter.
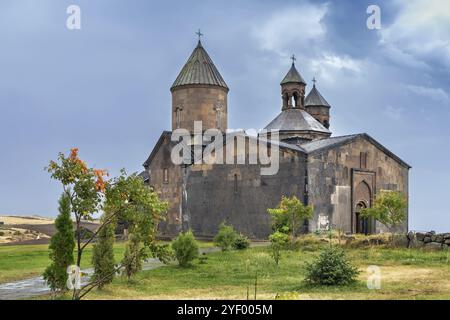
x,y
389,208
290,215
125,197
131,261
61,247
278,242
103,255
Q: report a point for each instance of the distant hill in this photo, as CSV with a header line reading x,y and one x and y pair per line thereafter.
x,y
33,220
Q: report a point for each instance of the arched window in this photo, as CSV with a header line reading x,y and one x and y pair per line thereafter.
x,y
295,96
363,160
166,175
178,116
235,183
285,97
218,109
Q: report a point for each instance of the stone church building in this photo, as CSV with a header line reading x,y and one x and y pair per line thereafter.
x,y
338,176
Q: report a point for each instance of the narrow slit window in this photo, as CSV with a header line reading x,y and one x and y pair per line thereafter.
x,y
363,160
166,175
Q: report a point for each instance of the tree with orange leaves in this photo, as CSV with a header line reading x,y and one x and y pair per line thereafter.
x,y
125,197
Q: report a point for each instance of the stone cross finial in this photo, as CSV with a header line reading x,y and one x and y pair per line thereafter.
x,y
314,81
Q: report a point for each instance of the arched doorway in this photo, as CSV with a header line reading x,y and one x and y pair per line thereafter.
x,y
362,225
362,198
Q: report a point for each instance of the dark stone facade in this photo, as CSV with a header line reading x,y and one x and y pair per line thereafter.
x,y
214,196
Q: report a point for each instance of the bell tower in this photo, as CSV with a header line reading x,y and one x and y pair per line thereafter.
x,y
199,93
293,89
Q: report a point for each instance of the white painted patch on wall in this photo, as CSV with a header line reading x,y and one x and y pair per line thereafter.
x,y
323,222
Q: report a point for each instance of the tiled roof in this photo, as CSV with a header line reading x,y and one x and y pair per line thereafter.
x,y
296,120
327,143
293,76
314,98
199,69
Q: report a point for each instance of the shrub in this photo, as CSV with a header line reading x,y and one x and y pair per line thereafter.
x,y
185,248
241,242
2,233
225,237
278,242
331,268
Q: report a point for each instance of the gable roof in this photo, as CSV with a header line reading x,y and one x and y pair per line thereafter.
x,y
199,69
144,175
309,148
164,134
296,120
319,145
293,76
231,135
334,142
314,98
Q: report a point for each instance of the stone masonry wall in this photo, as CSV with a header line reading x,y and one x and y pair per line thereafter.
x,y
430,240
199,104
330,182
240,195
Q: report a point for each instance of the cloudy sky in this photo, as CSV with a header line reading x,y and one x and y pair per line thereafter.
x,y
105,88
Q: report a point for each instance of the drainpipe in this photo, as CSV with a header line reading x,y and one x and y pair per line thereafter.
x,y
306,193
185,216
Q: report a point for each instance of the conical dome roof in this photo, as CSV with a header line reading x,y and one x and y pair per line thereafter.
x,y
314,98
199,69
296,120
293,76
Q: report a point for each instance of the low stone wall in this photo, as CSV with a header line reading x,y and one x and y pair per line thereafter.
x,y
431,240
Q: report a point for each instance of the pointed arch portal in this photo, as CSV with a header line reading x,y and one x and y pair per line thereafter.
x,y
362,194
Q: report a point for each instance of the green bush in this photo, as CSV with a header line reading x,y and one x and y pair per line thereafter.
x,y
2,233
241,242
225,237
278,242
331,268
185,248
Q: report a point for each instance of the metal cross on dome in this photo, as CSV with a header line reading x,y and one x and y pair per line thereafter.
x,y
293,58
200,34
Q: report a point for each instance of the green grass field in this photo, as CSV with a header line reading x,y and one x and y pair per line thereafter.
x,y
405,274
25,261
